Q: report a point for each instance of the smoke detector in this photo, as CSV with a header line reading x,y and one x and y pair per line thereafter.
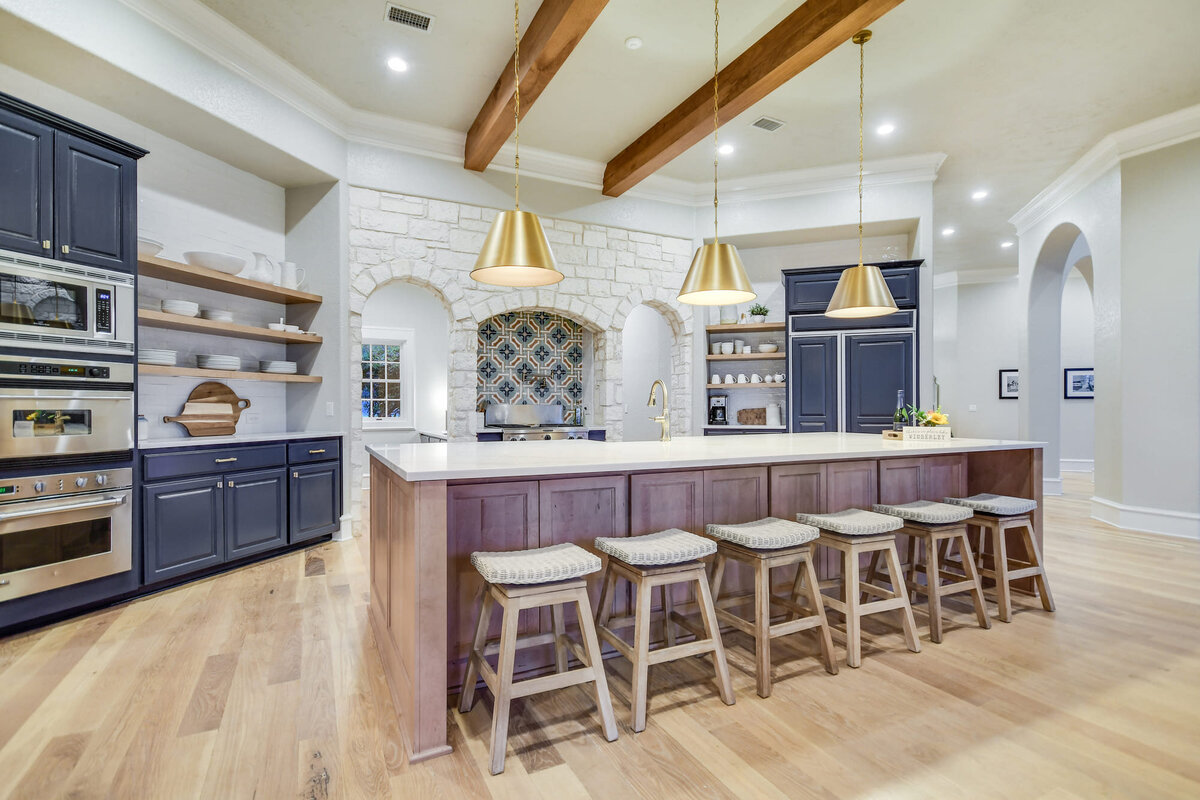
x,y
408,17
769,124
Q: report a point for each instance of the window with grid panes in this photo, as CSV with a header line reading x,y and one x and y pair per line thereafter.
x,y
386,394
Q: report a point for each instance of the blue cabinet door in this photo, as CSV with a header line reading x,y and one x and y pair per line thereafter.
x,y
183,523
812,374
877,365
315,498
26,183
255,512
95,203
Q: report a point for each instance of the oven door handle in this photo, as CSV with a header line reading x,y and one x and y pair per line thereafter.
x,y
76,394
102,502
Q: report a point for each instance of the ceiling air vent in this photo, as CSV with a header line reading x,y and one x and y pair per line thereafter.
x,y
409,18
769,124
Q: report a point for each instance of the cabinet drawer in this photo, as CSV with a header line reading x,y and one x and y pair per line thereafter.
x,y
316,450
210,461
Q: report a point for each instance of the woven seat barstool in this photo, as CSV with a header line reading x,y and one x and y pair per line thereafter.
x,y
764,545
853,533
994,515
547,576
661,559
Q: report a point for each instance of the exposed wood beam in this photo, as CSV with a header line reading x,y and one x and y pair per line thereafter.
x,y
805,36
552,34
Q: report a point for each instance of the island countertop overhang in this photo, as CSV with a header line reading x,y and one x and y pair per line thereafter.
x,y
489,460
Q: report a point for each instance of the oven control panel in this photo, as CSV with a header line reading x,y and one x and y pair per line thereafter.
x,y
104,303
53,370
33,487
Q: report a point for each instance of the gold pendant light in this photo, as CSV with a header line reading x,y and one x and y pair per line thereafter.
x,y
515,252
716,277
861,291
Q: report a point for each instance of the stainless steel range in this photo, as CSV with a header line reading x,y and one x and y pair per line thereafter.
x,y
531,422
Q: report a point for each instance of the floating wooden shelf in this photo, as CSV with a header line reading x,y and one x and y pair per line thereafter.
x,y
159,319
750,327
151,267
232,375
747,385
751,357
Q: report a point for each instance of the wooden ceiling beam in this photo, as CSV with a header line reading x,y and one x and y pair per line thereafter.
x,y
804,37
555,30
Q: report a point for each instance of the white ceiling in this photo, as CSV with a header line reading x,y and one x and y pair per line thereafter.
x,y
1013,91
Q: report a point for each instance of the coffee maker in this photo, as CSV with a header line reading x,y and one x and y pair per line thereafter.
x,y
718,413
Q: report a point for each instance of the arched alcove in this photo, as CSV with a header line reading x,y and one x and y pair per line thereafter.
x,y
645,340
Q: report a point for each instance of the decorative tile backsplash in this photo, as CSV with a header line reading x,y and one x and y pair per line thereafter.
x,y
530,357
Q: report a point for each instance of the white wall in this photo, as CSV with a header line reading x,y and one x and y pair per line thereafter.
x,y
645,344
1077,418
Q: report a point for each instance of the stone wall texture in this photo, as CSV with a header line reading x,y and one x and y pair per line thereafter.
x,y
609,271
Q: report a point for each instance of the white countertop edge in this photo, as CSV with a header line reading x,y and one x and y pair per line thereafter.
x,y
237,438
465,461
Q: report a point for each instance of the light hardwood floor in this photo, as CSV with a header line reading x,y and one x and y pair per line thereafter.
x,y
265,683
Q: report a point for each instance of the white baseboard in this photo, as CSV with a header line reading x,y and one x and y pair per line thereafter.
x,y
347,529
1185,524
1077,465
1052,486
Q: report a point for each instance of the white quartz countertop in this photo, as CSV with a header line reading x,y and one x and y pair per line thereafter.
x,y
463,460
237,438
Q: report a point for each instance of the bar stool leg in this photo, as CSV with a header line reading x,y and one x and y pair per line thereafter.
x,y
814,598
508,652
466,696
910,624
851,591
608,581
560,632
708,613
933,584
641,649
1003,590
872,571
798,591
1035,557
910,572
762,626
968,560
668,607
591,646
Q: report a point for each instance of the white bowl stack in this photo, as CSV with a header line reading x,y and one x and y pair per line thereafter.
x,y
159,358
278,367
184,308
214,361
217,315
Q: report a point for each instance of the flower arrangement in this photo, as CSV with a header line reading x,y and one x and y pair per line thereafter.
x,y
920,417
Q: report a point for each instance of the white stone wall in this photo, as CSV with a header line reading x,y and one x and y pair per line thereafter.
x,y
609,271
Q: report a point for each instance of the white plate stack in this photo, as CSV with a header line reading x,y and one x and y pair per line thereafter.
x,y
184,308
159,358
210,361
217,315
278,367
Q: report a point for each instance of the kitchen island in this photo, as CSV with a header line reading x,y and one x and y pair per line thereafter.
x,y
433,504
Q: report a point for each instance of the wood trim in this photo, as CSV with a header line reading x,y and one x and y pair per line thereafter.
x,y
204,278
555,30
160,319
234,375
803,37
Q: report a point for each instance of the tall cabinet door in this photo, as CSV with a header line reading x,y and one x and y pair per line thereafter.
x,y
812,373
877,366
27,178
95,196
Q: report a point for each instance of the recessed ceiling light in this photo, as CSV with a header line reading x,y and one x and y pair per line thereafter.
x,y
726,149
947,231
979,194
397,64
886,129
1007,243
633,43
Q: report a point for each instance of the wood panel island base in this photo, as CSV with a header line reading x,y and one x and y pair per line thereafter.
x,y
433,504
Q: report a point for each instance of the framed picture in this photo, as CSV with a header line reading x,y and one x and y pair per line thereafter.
x,y
1010,383
1079,383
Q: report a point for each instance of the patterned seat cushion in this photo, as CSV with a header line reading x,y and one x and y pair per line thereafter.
x,y
853,522
927,512
771,533
1000,505
542,565
656,549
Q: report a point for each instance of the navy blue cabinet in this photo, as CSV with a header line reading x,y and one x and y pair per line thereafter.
x,y
813,383
808,291
183,527
315,497
26,174
255,512
877,366
94,196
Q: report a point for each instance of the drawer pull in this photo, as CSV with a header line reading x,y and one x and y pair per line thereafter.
x,y
66,249
315,452
224,460
295,474
45,244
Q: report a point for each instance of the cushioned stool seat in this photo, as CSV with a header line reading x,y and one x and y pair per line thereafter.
x,y
926,512
541,565
852,522
671,546
997,504
770,533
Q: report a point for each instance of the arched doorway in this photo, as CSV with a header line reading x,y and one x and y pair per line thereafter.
x,y
646,350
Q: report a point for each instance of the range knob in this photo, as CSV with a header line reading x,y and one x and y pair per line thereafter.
x,y
101,480
81,482
39,486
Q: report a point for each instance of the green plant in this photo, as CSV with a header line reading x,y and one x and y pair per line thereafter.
x,y
758,310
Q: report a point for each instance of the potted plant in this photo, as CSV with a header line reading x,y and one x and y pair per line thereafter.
x,y
758,313
933,424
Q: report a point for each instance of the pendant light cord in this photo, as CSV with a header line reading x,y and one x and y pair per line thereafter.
x,y
716,107
517,104
862,48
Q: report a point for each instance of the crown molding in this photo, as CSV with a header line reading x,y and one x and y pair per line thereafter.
x,y
966,277
1155,134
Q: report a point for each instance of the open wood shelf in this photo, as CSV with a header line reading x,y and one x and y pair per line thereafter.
x,y
750,327
751,357
747,385
160,319
232,375
204,278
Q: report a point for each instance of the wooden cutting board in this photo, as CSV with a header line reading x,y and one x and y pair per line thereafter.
x,y
227,409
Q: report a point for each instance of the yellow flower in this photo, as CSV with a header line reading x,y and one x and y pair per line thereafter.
x,y
937,418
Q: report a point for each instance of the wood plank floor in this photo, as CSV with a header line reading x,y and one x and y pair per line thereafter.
x,y
265,683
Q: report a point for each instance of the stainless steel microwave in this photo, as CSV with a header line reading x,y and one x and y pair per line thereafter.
x,y
53,305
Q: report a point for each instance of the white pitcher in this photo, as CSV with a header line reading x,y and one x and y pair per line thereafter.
x,y
264,271
291,276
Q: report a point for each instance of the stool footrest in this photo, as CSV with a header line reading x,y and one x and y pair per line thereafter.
x,y
693,648
555,680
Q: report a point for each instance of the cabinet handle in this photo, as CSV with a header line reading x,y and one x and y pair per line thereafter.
x,y
224,460
231,484
66,249
295,474
315,452
45,244
220,484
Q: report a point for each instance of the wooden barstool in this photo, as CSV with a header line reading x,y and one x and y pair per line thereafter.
x,y
547,576
661,559
853,533
995,515
935,529
764,545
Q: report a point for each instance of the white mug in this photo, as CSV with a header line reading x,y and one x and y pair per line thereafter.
x,y
729,378
747,350
769,379
738,344
716,378
756,378
742,378
779,376
289,275
716,348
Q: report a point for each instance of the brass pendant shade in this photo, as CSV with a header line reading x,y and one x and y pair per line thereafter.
x,y
861,292
716,278
516,253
